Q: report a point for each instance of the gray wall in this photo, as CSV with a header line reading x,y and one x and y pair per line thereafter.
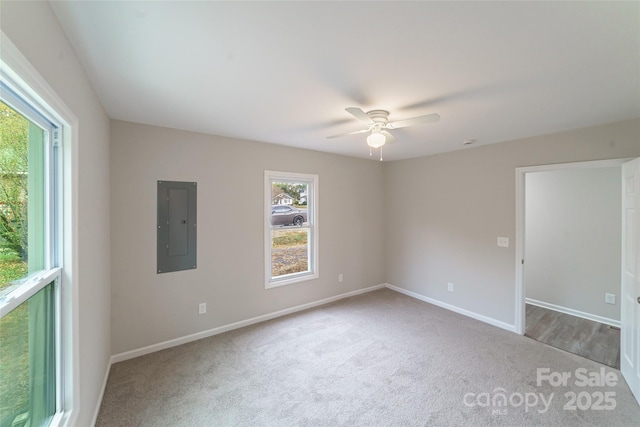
x,y
33,28
454,205
572,238
149,308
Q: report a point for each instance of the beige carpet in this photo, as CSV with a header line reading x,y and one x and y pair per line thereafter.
x,y
379,359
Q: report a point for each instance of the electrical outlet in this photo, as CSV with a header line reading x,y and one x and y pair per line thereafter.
x,y
610,298
340,277
503,242
450,287
202,308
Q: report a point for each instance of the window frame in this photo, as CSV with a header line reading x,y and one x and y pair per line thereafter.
x,y
312,226
23,79
33,283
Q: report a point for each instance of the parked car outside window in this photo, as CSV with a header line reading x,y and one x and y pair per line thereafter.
x,y
287,215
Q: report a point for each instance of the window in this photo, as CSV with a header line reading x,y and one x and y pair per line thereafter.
x,y
30,274
291,228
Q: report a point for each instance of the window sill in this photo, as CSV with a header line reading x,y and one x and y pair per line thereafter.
x,y
291,280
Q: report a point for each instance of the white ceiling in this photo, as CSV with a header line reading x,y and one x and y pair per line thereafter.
x,y
283,72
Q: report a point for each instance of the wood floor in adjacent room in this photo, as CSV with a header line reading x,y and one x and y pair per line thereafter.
x,y
593,340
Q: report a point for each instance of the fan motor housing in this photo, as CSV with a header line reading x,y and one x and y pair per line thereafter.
x,y
378,116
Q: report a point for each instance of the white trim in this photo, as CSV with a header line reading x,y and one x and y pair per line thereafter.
x,y
236,325
473,315
27,289
572,312
520,312
19,70
127,355
96,412
313,227
16,66
289,279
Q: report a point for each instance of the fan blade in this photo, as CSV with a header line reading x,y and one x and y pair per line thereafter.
x,y
359,114
350,133
390,138
429,118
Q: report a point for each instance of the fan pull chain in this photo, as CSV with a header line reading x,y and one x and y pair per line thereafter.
x,y
380,153
370,152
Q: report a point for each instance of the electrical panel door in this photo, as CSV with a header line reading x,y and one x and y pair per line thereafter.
x,y
177,226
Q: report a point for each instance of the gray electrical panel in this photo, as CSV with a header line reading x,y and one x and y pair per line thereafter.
x,y
177,226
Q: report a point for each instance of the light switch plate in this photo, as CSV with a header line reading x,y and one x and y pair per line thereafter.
x,y
503,242
610,298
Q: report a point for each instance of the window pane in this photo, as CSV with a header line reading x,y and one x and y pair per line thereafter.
x,y
289,204
27,362
290,228
289,251
22,192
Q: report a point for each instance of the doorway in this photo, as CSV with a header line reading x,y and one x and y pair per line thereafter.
x,y
568,284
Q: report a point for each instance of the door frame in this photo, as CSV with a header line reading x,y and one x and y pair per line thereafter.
x,y
520,295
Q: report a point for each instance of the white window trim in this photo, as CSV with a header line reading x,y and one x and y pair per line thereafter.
x,y
314,228
20,74
29,286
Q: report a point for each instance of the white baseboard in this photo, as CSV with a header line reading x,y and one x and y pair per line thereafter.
x,y
571,311
225,328
480,317
120,357
104,387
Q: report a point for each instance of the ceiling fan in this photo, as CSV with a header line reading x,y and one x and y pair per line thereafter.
x,y
378,126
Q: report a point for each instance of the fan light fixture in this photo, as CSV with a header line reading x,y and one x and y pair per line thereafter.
x,y
379,127
376,139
